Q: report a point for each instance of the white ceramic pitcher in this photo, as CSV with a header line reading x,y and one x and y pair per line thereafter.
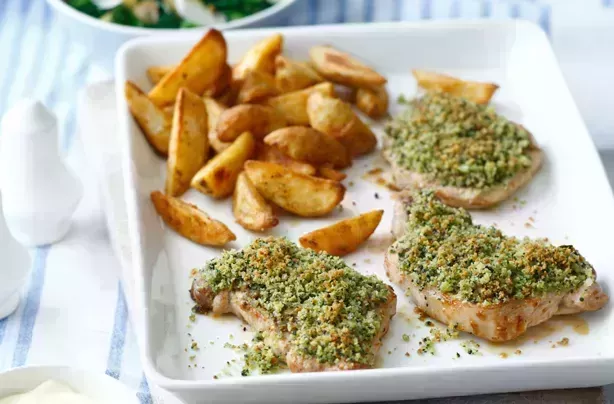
x,y
39,192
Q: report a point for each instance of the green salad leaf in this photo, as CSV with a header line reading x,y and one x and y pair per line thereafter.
x,y
123,14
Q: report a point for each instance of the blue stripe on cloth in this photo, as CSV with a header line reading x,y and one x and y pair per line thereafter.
x,y
455,11
312,12
425,10
368,11
32,304
10,34
144,395
342,7
397,10
515,10
71,121
3,324
544,19
26,79
118,338
487,9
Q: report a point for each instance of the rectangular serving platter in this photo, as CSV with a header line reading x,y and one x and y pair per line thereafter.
x,y
569,201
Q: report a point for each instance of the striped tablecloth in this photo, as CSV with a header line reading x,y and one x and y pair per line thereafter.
x,y
74,311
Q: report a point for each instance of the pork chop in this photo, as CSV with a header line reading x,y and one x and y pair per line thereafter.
x,y
466,162
310,309
474,277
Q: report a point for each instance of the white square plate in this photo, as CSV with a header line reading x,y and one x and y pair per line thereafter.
x,y
569,201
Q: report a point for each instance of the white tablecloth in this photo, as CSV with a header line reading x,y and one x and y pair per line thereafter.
x,y
74,311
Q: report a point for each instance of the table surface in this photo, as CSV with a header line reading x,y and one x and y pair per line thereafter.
x,y
74,310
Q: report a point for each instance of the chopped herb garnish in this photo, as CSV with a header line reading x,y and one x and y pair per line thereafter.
x,y
457,142
330,311
471,347
442,248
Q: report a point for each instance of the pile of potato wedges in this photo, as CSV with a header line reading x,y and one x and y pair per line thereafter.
x,y
271,131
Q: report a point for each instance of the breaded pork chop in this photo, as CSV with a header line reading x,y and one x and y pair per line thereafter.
x,y
470,156
310,310
487,284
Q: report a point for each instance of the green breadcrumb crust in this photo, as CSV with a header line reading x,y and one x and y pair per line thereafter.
x,y
328,311
456,142
444,249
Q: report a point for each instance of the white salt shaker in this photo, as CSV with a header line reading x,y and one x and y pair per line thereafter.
x,y
40,194
14,271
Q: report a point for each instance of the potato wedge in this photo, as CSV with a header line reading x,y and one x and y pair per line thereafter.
x,y
345,236
229,96
337,119
214,110
249,207
256,87
293,76
309,145
374,103
191,222
153,121
260,120
169,110
326,171
260,57
219,176
189,145
340,67
300,194
271,154
198,70
156,73
220,85
478,92
293,106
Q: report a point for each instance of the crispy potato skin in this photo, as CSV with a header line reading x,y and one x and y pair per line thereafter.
x,y
257,86
337,119
345,236
478,92
219,176
293,106
220,85
214,110
154,122
190,222
259,120
309,145
189,146
198,70
326,171
264,152
297,193
291,75
340,67
156,73
249,207
374,103
260,57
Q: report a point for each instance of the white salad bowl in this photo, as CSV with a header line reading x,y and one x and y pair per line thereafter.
x,y
103,39
96,386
